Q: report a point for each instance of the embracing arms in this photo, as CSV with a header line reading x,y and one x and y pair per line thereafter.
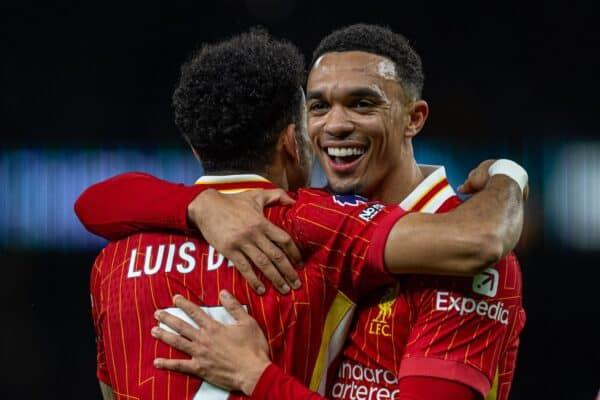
x,y
236,357
461,242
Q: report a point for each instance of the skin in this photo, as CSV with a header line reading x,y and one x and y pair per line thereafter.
x,y
258,242
355,101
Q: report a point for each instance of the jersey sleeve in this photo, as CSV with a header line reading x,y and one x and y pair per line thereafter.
x,y
343,233
97,314
425,388
132,202
464,328
276,384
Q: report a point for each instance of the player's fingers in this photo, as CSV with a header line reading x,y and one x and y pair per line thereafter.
x,y
274,197
183,366
264,264
176,324
465,188
241,263
232,305
193,311
278,258
172,339
282,239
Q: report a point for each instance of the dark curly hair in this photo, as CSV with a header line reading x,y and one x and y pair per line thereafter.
x,y
234,97
384,42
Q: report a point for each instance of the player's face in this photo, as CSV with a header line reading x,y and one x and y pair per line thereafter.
x,y
356,119
299,174
305,150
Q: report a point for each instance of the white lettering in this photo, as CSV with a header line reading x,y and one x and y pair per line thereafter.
x,y
191,261
389,377
441,297
482,308
213,264
170,258
132,273
467,305
157,262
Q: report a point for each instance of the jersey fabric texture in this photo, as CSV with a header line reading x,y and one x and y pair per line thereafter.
x,y
342,243
455,328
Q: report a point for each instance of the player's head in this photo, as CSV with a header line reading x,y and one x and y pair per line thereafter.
x,y
364,106
239,103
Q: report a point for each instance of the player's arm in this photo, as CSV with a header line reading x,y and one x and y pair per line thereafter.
x,y
479,232
236,357
133,202
107,392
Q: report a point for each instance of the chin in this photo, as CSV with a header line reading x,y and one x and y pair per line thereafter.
x,y
345,187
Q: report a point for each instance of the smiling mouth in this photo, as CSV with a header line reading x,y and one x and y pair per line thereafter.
x,y
342,159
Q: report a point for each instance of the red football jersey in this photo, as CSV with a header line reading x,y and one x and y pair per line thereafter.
x,y
342,239
460,329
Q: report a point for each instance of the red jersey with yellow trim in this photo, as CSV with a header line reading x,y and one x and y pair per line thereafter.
x,y
342,240
460,329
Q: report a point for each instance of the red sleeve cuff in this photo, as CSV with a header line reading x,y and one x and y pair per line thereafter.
x,y
276,384
183,198
415,388
376,252
271,374
445,369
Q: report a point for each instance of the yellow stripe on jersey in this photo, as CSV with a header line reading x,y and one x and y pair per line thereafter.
x,y
239,190
212,179
493,393
336,326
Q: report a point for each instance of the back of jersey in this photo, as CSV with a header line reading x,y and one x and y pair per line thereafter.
x,y
133,278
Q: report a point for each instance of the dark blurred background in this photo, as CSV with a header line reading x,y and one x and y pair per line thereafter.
x,y
86,94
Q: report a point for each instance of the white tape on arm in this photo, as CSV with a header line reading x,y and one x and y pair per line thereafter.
x,y
510,169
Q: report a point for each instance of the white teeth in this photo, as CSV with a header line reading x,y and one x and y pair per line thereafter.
x,y
344,151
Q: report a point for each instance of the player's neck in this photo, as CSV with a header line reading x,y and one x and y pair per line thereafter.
x,y
399,183
224,172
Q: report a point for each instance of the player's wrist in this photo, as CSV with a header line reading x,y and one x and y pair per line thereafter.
x,y
510,169
250,377
197,206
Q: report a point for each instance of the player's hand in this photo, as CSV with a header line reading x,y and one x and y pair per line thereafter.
x,y
231,356
235,226
478,179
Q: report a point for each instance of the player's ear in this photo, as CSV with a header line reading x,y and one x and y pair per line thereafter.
x,y
418,111
290,144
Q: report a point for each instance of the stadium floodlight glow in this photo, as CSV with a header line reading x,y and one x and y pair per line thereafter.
x,y
40,187
572,193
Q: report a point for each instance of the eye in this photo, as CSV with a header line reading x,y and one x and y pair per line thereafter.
x,y
318,107
363,103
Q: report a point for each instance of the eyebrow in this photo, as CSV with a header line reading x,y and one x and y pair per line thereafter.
x,y
352,92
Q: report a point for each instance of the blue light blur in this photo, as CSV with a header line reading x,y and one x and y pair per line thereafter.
x,y
40,186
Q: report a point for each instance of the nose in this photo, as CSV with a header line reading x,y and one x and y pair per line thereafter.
x,y
337,122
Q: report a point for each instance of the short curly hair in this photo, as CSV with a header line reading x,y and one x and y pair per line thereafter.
x,y
234,97
381,41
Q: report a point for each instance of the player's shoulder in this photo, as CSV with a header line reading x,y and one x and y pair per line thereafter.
x,y
150,238
323,197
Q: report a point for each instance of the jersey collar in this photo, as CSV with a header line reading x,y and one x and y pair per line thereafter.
x,y
431,193
235,183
